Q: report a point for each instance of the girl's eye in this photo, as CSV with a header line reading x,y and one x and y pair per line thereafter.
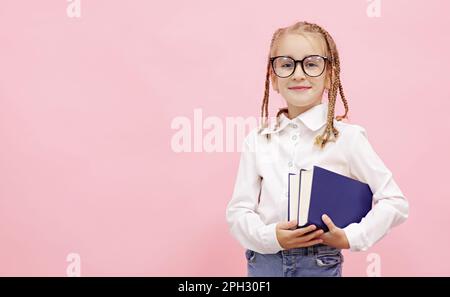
x,y
311,65
286,65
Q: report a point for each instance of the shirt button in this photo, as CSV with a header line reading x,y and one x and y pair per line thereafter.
x,y
294,137
294,126
290,163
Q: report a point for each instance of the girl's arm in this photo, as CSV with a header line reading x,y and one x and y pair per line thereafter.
x,y
244,222
391,207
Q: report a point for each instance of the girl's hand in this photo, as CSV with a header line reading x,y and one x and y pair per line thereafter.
x,y
300,237
335,237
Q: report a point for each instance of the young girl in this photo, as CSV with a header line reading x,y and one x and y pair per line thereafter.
x,y
304,63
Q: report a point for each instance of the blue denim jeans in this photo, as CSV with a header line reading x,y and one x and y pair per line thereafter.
x,y
317,260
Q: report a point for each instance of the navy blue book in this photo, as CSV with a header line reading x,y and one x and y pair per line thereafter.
x,y
319,191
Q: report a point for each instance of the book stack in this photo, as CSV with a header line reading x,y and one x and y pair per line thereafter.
x,y
318,191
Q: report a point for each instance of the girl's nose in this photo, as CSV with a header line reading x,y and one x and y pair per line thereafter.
x,y
298,73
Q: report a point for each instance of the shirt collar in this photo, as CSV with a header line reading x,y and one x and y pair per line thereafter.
x,y
314,119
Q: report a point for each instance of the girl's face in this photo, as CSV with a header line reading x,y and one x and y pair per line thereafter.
x,y
297,47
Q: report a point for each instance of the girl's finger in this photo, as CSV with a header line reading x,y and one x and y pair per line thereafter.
x,y
301,231
327,220
309,237
313,235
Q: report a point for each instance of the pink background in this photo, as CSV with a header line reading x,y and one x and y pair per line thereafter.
x,y
86,106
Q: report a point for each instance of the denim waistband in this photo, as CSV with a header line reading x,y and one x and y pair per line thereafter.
x,y
311,250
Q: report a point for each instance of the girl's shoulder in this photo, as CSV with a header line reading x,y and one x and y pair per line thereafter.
x,y
351,134
253,136
350,129
256,137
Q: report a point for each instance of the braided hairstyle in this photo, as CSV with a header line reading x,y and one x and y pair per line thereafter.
x,y
335,81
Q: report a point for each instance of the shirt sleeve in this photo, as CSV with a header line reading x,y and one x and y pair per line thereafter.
x,y
241,213
390,206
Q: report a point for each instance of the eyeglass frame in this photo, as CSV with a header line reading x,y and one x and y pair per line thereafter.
x,y
301,63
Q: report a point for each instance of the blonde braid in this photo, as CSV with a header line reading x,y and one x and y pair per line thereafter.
x,y
265,104
336,85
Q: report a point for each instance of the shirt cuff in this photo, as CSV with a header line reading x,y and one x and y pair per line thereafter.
x,y
269,235
356,238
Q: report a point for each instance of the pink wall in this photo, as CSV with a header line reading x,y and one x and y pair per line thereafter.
x,y
86,106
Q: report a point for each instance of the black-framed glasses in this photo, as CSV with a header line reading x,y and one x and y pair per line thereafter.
x,y
284,66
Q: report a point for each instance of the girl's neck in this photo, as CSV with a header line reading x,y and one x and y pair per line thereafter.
x,y
295,111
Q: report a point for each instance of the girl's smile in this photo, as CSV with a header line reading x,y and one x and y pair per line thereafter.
x,y
299,88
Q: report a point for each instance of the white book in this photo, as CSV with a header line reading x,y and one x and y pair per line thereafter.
x,y
299,196
306,177
293,196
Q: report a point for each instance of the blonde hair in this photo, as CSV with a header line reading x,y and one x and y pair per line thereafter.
x,y
335,81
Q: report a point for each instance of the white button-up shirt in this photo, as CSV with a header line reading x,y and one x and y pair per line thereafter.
x,y
260,201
